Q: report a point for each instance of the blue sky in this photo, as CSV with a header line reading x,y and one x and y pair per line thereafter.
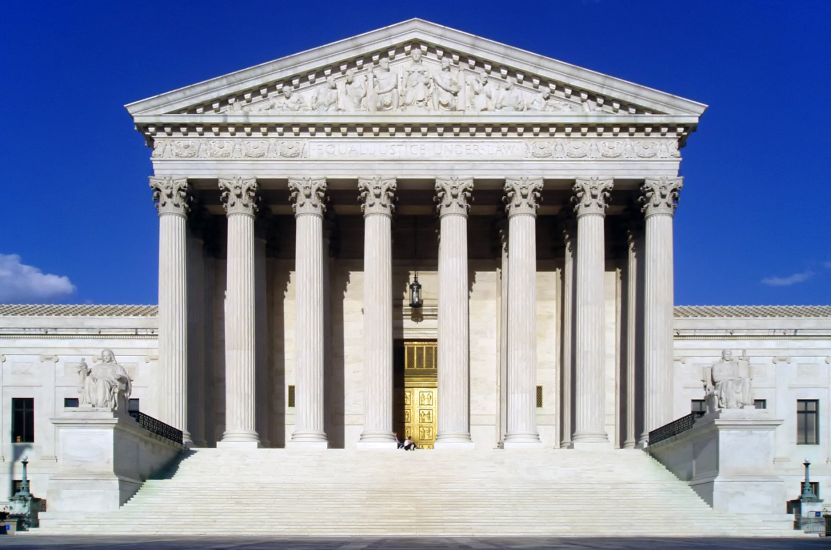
x,y
78,224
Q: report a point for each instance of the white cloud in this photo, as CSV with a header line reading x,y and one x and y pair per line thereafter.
x,y
788,280
21,283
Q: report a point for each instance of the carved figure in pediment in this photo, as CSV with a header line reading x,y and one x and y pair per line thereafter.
x,y
326,98
448,86
510,98
355,88
106,384
289,101
385,86
480,93
548,102
418,84
727,383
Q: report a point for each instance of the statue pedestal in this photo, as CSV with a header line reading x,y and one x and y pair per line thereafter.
x,y
103,458
734,470
727,457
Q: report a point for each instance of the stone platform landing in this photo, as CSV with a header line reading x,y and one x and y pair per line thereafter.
x,y
276,492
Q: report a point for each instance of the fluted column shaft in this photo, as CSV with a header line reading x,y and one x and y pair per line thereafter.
x,y
590,197
308,200
240,200
631,335
568,330
452,196
659,199
377,203
521,197
172,199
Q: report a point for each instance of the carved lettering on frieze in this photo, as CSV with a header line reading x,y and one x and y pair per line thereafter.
x,y
594,149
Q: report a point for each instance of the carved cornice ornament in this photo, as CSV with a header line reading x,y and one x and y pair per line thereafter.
x,y
660,195
522,195
171,195
453,195
377,195
239,195
591,195
308,195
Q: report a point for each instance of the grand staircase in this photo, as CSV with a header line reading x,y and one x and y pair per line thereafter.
x,y
439,493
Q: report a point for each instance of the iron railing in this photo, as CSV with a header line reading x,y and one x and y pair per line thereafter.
x,y
157,427
675,427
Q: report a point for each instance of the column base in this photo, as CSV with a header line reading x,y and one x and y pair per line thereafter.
x,y
377,441
308,441
592,443
453,441
239,440
522,441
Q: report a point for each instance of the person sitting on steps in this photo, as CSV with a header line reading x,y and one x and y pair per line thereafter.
x,y
409,444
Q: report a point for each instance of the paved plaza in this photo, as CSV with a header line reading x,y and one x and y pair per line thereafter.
x,y
390,543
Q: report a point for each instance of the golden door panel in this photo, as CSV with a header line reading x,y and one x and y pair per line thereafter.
x,y
417,401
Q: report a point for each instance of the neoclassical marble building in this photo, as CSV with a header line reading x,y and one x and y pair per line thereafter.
x,y
297,199
419,231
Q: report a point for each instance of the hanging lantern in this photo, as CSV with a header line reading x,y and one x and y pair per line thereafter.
x,y
415,293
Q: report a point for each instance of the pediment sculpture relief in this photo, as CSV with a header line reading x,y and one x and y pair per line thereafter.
x,y
105,385
727,383
416,83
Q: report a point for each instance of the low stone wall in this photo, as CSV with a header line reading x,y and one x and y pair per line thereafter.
x,y
103,458
727,458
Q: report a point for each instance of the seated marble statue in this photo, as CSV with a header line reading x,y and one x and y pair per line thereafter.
x,y
106,384
727,383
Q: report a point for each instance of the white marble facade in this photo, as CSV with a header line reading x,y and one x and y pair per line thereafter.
x,y
298,198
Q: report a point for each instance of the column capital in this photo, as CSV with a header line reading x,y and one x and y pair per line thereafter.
x,y
239,195
591,195
171,195
660,195
453,195
308,196
377,195
522,195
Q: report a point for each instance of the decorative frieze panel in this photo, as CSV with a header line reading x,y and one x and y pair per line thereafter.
x,y
382,148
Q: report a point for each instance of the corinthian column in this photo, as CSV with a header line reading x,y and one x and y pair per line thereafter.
x,y
522,196
308,198
172,199
659,197
377,198
452,197
591,197
239,197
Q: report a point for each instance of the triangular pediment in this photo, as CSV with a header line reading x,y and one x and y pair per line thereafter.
x,y
414,68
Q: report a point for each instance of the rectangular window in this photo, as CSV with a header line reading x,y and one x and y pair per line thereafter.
x,y
760,403
23,419
807,422
291,396
70,402
698,406
539,397
133,404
